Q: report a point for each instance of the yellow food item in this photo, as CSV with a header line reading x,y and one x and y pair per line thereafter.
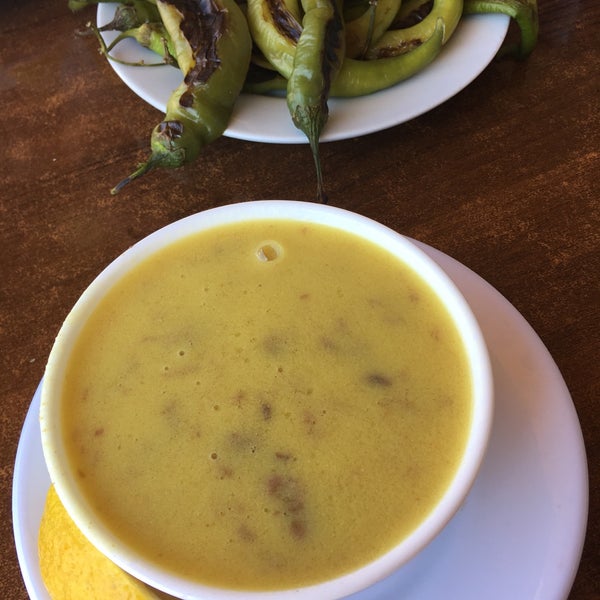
x,y
267,404
73,569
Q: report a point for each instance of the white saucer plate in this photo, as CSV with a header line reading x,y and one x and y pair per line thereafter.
x,y
266,118
519,534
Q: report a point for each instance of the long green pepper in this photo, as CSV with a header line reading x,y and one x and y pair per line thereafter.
x,y
401,41
524,13
213,47
369,26
362,77
318,58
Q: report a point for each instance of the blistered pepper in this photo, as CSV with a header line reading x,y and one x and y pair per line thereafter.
x,y
213,47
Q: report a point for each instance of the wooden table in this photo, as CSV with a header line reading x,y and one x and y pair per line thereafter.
x,y
503,177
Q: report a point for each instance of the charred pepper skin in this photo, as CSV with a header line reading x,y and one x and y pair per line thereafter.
x,y
362,77
213,48
400,41
276,31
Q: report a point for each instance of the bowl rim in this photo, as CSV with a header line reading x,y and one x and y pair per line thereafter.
x,y
402,247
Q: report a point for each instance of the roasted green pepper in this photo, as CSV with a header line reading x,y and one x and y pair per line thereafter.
x,y
213,47
362,77
356,77
362,31
317,61
275,31
401,41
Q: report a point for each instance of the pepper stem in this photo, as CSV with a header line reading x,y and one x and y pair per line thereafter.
x,y
105,50
310,120
321,195
141,170
372,10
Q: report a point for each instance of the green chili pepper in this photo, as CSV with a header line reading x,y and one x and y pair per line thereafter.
x,y
260,60
525,14
213,48
262,81
294,7
370,26
399,41
353,9
362,77
318,58
275,31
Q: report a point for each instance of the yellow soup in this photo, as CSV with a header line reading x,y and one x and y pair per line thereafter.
x,y
267,404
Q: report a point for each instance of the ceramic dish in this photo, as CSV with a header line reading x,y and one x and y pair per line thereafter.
x,y
520,533
266,118
341,225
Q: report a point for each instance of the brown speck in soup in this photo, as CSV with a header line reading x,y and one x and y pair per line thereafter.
x,y
285,456
310,421
170,412
328,344
246,534
274,345
242,443
99,431
298,529
266,411
288,490
377,379
225,472
274,483
239,398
